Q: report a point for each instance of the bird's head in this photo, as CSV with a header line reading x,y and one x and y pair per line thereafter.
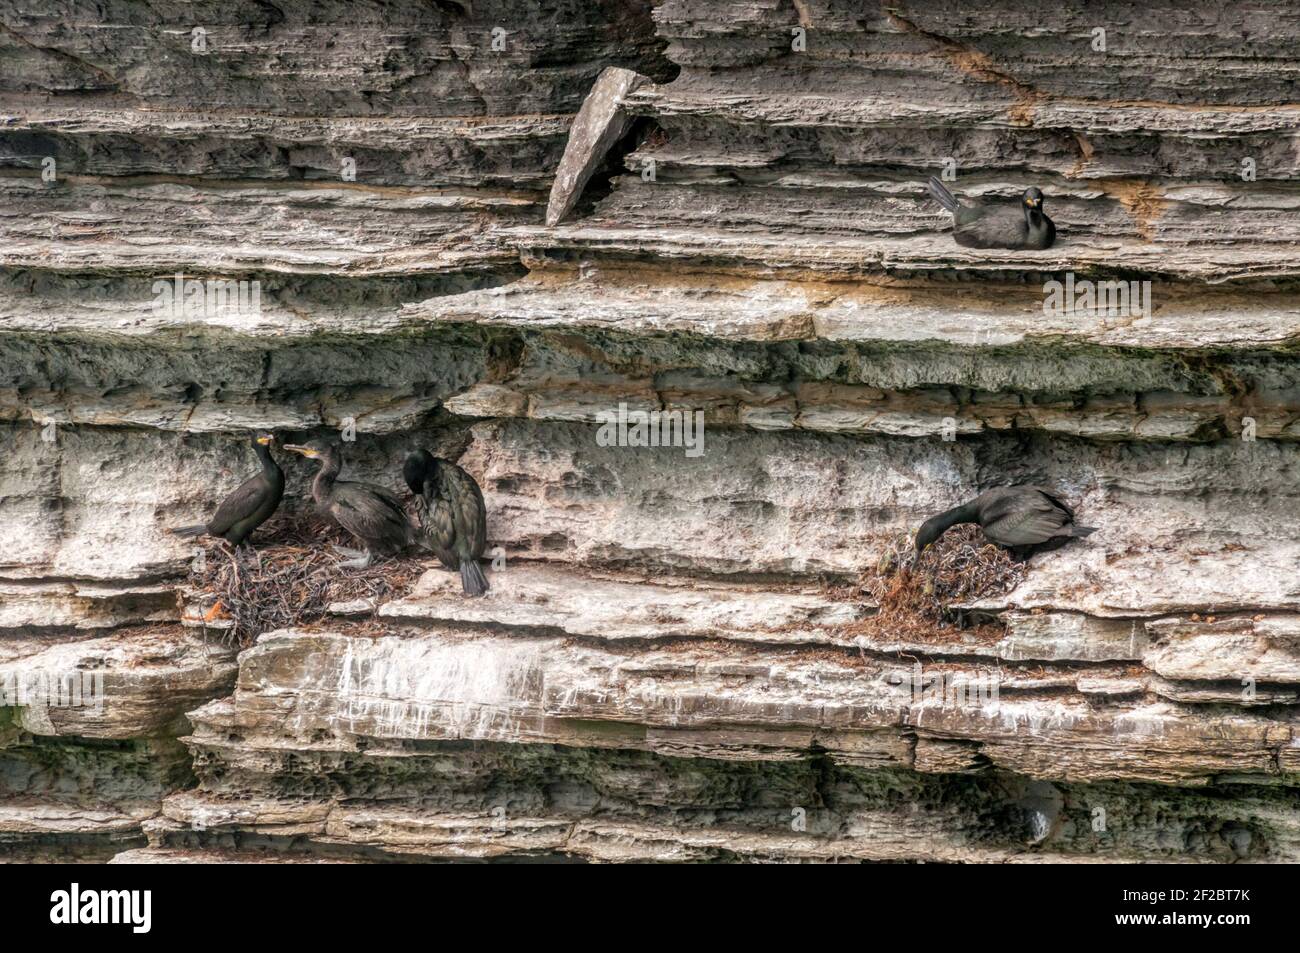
x,y
930,530
1033,199
265,439
415,467
313,450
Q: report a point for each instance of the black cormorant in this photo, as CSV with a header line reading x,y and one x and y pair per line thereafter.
x,y
979,225
370,513
450,515
1023,519
250,505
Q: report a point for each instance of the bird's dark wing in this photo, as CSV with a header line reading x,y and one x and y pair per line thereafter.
x,y
371,514
240,504
1021,516
1055,498
990,226
468,511
435,521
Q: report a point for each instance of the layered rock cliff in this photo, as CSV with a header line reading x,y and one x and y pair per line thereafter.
x,y
674,662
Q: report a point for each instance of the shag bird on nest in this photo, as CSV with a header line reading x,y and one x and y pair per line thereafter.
x,y
370,513
250,505
977,224
1023,519
450,516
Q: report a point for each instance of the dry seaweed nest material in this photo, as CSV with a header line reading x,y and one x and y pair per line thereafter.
x,y
919,597
289,578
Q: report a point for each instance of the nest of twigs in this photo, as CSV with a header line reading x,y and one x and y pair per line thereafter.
x,y
289,577
919,596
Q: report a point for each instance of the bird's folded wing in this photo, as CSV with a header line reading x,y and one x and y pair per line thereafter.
x,y
239,504
370,512
439,527
1052,495
1033,520
467,508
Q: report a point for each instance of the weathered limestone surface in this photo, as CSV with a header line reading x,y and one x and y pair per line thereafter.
x,y
674,662
685,755
348,158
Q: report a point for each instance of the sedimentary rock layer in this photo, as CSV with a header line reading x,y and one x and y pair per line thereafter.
x,y
675,661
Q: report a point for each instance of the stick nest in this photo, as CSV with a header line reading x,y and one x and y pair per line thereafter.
x,y
290,578
919,596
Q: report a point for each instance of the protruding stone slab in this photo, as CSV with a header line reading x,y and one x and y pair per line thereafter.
x,y
600,123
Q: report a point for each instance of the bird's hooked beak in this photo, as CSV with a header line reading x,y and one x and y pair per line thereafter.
x,y
1033,203
305,451
266,439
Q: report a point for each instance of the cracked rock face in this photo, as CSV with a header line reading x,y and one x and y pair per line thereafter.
x,y
486,228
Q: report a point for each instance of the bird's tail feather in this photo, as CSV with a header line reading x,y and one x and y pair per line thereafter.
x,y
943,196
187,531
472,579
1083,531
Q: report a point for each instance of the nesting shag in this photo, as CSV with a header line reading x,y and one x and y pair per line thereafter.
x,y
250,505
1001,225
1023,519
450,515
370,513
